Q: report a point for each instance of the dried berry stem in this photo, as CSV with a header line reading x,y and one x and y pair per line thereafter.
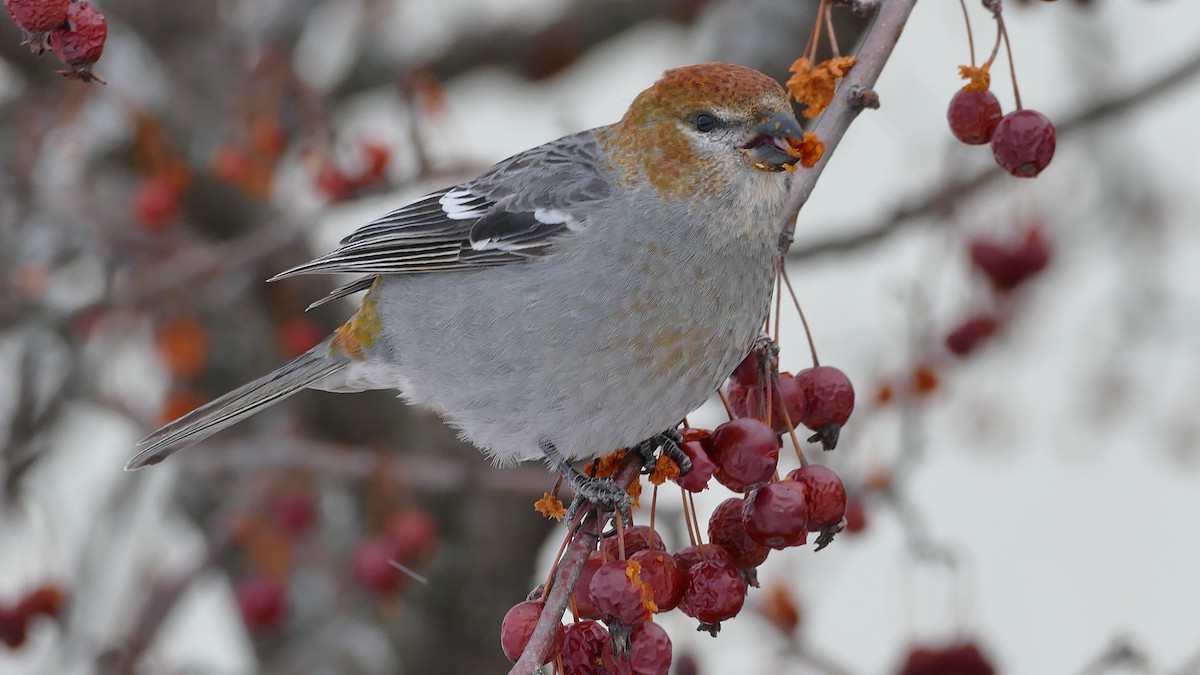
x,y
791,426
996,47
812,345
833,44
970,36
1012,68
687,516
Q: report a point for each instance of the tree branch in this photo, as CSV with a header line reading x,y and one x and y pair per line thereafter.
x,y
566,575
853,95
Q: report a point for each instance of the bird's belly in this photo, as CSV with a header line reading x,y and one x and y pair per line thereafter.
x,y
512,360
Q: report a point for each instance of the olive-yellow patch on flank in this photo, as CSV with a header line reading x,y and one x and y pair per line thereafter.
x,y
360,331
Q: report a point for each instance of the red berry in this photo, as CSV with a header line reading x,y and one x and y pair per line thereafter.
x,y
80,41
295,512
725,529
752,403
410,535
587,649
714,592
263,603
637,538
687,557
46,600
616,589
825,496
37,16
856,516
664,576
746,374
776,514
1023,143
1006,266
298,335
230,164
336,185
830,398
1034,252
971,333
155,203
973,116
585,607
649,652
373,568
746,453
962,659
517,628
378,157
269,138
694,442
13,627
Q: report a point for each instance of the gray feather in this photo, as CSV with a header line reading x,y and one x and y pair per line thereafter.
x,y
515,211
301,372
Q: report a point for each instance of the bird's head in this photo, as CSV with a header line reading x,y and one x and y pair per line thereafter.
x,y
702,124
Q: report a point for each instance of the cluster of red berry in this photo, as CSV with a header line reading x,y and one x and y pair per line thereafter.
x,y
1023,140
409,536
1005,266
340,183
632,576
959,659
75,31
46,600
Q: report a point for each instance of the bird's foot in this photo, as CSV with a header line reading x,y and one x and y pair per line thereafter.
x,y
671,442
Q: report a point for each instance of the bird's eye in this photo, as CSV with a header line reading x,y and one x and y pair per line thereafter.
x,y
705,123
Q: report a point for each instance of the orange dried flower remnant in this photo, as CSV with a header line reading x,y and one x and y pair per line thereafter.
x,y
550,506
814,86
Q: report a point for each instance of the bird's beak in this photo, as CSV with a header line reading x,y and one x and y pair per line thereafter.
x,y
770,150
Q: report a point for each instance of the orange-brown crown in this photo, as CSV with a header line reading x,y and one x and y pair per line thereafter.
x,y
701,87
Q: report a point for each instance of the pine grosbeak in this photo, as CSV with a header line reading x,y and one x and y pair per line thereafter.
x,y
573,299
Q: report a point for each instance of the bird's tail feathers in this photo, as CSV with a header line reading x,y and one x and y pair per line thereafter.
x,y
299,373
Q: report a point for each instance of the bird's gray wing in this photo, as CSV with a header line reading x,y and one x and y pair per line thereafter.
x,y
511,213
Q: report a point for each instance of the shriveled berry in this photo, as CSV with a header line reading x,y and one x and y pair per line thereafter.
x,y
517,628
664,576
746,453
694,442
587,649
155,203
80,41
618,593
295,512
649,652
825,497
373,567
960,659
637,538
971,333
411,534
46,600
1023,143
37,16
973,116
830,398
725,528
585,607
776,514
689,556
714,592
263,603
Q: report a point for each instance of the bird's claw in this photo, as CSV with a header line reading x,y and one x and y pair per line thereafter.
x,y
671,442
603,495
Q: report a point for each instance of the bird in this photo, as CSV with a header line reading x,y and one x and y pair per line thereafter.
x,y
576,298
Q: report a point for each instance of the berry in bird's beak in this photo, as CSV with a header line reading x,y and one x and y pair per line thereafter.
x,y
770,149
